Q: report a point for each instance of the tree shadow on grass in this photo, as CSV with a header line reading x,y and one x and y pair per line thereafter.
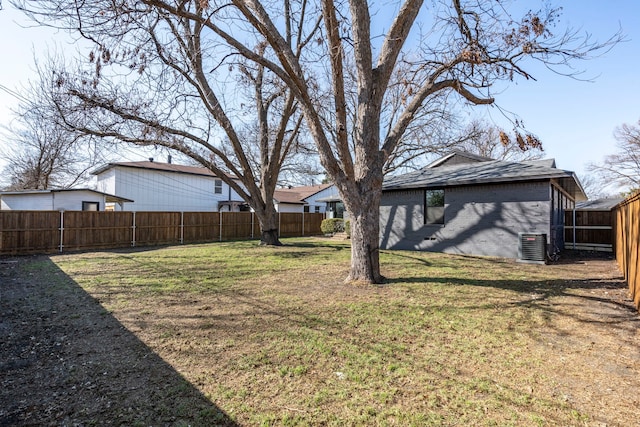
x,y
318,243
605,300
65,360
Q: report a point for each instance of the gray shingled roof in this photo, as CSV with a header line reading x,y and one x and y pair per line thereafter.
x,y
297,195
458,153
487,172
599,204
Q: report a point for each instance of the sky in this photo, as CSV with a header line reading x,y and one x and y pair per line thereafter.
x,y
575,119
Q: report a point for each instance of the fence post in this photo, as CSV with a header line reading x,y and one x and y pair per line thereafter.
x,y
133,230
252,223
574,228
279,224
302,222
182,227
220,225
61,230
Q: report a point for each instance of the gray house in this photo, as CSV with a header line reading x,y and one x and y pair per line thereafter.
x,y
467,204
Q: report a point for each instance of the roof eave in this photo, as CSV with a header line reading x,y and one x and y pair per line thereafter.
x,y
578,195
458,183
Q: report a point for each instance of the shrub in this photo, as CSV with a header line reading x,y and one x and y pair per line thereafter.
x,y
332,225
347,228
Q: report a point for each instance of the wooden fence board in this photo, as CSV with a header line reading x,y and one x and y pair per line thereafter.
x,y
627,229
88,230
312,222
236,225
25,232
157,228
201,226
291,224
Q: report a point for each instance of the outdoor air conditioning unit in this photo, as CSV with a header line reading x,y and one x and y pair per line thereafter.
x,y
532,248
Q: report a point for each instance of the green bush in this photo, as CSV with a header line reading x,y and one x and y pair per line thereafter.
x,y
347,228
332,225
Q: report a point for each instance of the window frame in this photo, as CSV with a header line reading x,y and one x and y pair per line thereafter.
x,y
86,204
217,186
440,220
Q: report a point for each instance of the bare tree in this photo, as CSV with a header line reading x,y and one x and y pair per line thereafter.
x,y
491,141
472,46
43,157
158,78
461,50
424,140
41,153
623,167
594,187
433,131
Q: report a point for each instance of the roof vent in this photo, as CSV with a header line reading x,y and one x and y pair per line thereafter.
x,y
532,248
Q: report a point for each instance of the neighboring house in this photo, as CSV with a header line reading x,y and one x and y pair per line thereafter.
x,y
304,199
83,199
168,187
467,204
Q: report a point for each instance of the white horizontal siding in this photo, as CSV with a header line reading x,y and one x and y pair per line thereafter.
x,y
106,182
51,201
327,192
153,190
72,200
289,208
28,202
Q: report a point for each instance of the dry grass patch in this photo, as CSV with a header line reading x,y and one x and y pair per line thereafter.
x,y
273,336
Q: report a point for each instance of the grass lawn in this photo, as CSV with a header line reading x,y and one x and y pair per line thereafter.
x,y
272,336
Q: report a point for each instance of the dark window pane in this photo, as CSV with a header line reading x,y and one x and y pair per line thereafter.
x,y
434,205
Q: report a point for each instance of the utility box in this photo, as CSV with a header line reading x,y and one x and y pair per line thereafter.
x,y
532,248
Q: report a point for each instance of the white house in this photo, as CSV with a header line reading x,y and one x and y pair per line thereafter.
x,y
156,186
82,199
314,198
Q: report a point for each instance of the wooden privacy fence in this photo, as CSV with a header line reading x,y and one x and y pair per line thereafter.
x,y
27,232
627,232
588,230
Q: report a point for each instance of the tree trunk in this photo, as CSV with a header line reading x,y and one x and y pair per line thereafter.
x,y
270,238
269,226
365,243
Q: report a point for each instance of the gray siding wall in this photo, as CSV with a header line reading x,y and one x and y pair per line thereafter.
x,y
479,220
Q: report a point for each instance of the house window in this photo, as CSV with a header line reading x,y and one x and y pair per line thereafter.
x,y
217,186
90,206
434,207
317,209
336,209
305,209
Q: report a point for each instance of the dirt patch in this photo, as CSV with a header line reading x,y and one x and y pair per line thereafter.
x,y
595,338
65,360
